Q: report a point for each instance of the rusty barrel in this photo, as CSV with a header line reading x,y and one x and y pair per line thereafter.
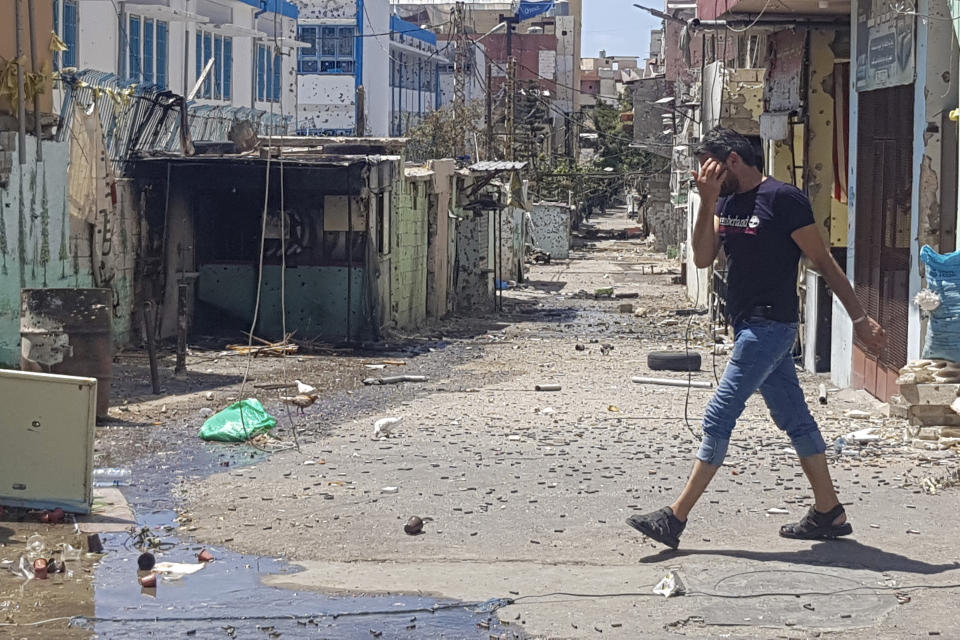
x,y
68,331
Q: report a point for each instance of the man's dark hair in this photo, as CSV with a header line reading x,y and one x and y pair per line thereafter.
x,y
720,142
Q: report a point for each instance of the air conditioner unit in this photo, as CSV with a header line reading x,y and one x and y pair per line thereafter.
x,y
48,427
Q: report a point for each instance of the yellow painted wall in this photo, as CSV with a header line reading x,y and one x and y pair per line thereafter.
x,y
818,171
43,28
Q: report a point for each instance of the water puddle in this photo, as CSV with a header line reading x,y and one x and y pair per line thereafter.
x,y
227,599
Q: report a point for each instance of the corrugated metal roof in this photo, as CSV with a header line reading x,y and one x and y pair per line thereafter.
x,y
497,165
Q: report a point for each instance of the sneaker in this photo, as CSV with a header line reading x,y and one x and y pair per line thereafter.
x,y
661,525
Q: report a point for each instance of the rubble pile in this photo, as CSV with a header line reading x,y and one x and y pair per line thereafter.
x,y
930,398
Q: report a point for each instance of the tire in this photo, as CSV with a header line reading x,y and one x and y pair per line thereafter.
x,y
673,361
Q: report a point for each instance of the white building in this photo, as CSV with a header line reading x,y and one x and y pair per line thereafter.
x,y
415,63
170,42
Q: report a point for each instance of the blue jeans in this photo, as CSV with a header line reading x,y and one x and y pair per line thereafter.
x,y
762,361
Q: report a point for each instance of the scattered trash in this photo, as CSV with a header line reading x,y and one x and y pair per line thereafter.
x,y
36,545
870,434
70,552
605,349
603,292
777,511
40,569
902,597
94,544
627,295
206,412
149,581
111,477
547,411
674,361
239,422
671,585
673,382
414,526
375,366
208,395
205,556
927,300
580,347
548,387
913,531
146,561
390,490
857,414
24,569
943,280
395,380
626,307
177,570
956,406
822,393
383,426
613,408
52,517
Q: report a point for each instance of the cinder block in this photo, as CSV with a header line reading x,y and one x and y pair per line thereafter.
x,y
930,394
933,416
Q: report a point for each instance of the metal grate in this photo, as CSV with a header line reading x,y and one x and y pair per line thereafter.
x,y
884,173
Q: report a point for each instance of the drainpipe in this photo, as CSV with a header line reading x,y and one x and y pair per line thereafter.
x,y
263,10
33,67
358,65
21,108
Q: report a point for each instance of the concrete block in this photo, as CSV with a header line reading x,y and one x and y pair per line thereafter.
x,y
930,394
933,416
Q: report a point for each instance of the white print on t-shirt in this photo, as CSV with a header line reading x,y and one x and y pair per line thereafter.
x,y
740,225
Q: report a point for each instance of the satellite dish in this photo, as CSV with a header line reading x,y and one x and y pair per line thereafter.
x,y
535,30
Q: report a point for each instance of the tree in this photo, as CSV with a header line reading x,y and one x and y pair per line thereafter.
x,y
440,131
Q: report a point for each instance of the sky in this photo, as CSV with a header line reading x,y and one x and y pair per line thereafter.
x,y
618,27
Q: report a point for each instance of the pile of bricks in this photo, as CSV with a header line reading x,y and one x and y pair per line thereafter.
x,y
929,405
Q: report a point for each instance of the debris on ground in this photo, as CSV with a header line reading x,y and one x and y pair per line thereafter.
x,y
239,422
394,380
414,526
671,585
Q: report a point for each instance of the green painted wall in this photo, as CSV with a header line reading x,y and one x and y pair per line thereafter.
x,y
42,247
316,299
409,264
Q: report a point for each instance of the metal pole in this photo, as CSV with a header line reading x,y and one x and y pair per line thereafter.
x,y
21,108
489,100
33,67
511,104
182,292
350,265
148,322
500,258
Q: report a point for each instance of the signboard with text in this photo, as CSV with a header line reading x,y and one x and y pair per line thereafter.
x,y
885,46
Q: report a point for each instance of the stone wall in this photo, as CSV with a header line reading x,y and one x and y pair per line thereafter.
x,y
409,264
551,228
473,275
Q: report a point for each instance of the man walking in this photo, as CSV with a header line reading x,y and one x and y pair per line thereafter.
x,y
763,225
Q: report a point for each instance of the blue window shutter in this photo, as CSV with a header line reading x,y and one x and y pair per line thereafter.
x,y
260,79
227,68
134,48
56,30
199,54
162,34
70,33
148,49
277,76
217,67
207,54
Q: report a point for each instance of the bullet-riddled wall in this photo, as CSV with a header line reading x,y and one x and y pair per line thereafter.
x,y
48,240
409,263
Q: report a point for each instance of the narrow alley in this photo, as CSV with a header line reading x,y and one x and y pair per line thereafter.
x,y
523,493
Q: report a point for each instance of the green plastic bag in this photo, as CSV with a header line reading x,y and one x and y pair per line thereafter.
x,y
238,423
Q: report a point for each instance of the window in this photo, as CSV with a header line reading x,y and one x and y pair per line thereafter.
x,y
219,82
145,58
269,74
332,49
65,25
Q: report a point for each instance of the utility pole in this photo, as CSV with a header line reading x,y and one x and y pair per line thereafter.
x,y
460,75
489,100
511,104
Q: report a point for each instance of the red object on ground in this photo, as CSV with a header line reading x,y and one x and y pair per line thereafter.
x,y
149,581
40,569
205,556
52,517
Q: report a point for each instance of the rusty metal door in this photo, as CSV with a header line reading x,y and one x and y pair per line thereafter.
x,y
882,251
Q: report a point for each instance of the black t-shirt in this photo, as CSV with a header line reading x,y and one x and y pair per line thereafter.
x,y
762,258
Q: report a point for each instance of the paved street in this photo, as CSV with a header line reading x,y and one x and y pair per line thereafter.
x,y
524,493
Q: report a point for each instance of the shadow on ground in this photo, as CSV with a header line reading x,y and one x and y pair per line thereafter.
x,y
837,553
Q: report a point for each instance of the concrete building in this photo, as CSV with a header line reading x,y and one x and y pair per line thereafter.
x,y
415,62
168,43
348,56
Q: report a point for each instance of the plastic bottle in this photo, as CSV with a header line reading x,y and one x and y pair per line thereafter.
x,y
112,477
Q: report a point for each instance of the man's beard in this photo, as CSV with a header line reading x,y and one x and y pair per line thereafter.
x,y
730,186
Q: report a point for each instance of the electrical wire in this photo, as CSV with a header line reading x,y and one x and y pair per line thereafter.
x,y
752,24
